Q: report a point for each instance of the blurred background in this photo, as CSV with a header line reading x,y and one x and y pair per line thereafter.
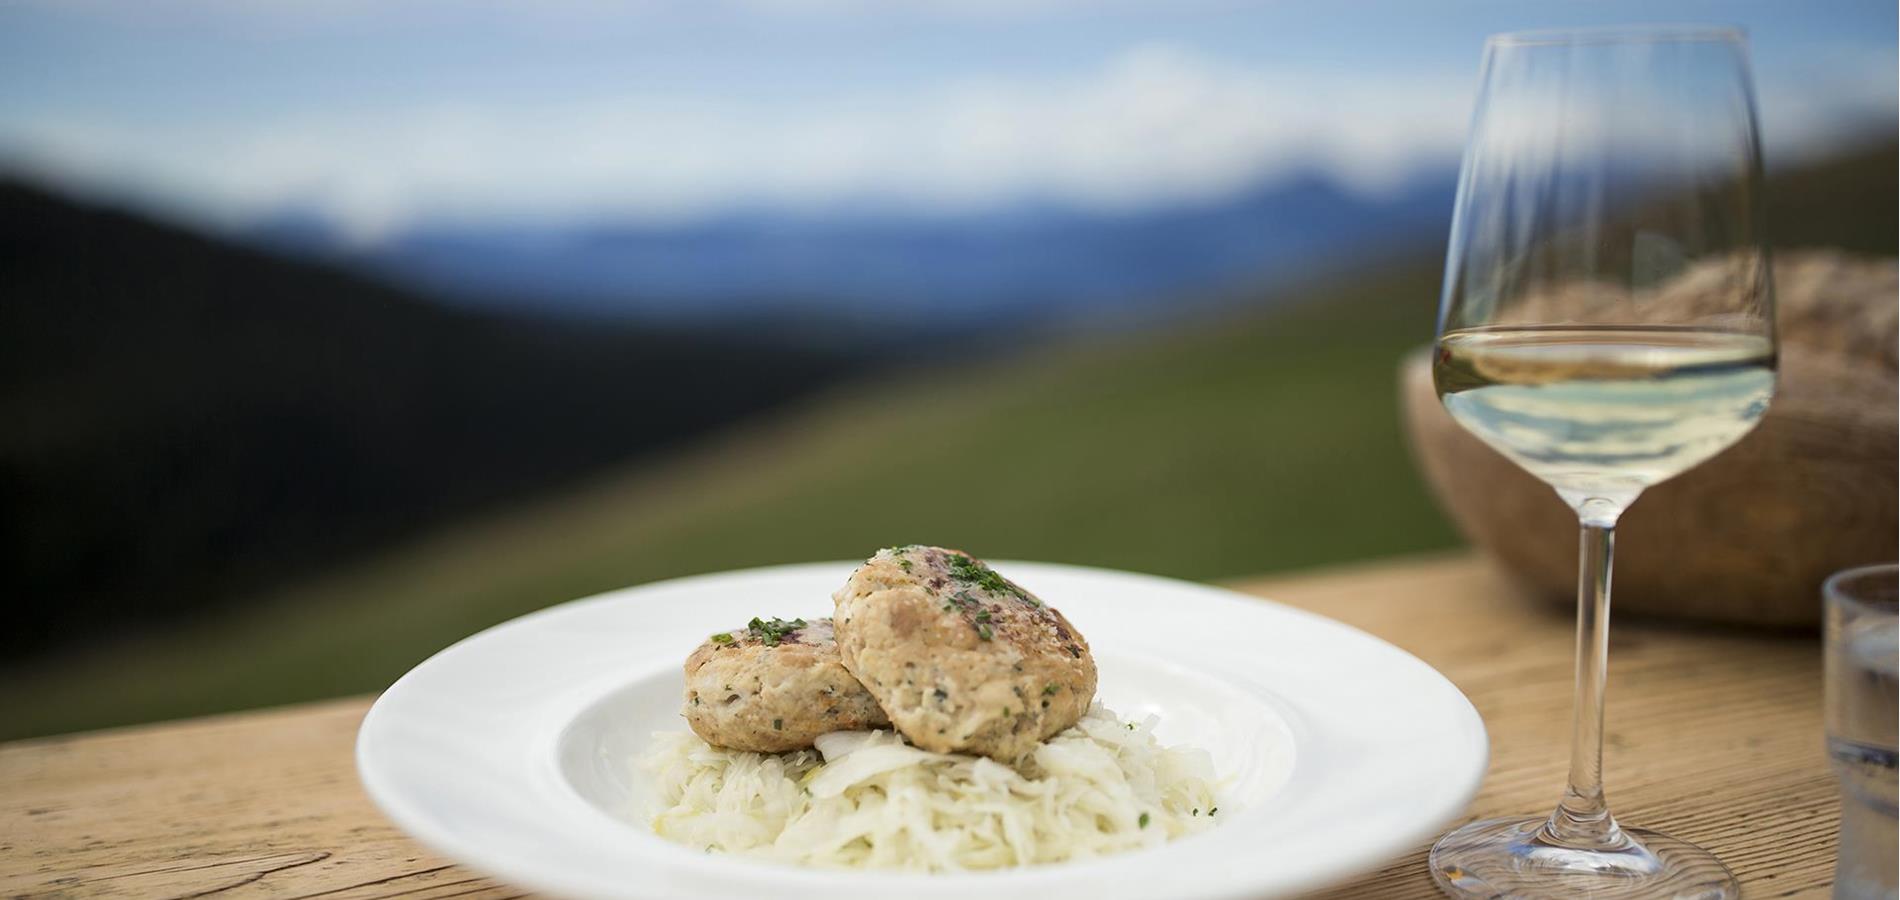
x,y
332,332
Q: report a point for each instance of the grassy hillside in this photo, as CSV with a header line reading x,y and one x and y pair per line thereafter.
x,y
1236,448
1245,446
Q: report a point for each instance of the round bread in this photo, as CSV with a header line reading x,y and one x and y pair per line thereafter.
x,y
962,659
774,686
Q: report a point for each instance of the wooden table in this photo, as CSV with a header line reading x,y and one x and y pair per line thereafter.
x,y
1712,735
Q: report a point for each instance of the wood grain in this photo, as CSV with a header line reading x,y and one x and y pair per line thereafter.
x,y
1714,736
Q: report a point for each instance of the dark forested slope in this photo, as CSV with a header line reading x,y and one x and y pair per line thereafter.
x,y
186,419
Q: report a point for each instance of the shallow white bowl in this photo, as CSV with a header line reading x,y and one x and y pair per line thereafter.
x,y
512,751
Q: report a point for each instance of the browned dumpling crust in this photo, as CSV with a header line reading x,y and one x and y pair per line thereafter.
x,y
774,686
961,658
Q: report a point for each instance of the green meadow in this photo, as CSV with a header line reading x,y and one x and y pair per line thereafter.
x,y
1264,442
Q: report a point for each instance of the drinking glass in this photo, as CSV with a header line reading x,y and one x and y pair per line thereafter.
x,y
1861,703
1607,323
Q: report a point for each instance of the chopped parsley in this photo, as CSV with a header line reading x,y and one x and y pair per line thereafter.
x,y
1049,690
897,553
778,724
984,632
969,571
722,638
774,631
1143,821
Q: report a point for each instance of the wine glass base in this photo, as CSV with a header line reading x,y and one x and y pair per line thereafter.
x,y
1508,858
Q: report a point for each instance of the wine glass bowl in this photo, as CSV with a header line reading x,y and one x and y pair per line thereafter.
x,y
1606,324
1600,413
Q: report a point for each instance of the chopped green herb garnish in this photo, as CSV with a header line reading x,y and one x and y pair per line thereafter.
x,y
897,552
722,638
983,631
774,631
1213,811
983,616
1197,810
969,571
1143,821
1050,689
778,724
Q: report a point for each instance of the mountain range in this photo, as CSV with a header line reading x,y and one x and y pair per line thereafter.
x,y
1022,266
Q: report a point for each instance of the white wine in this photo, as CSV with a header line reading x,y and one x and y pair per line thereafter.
x,y
1605,412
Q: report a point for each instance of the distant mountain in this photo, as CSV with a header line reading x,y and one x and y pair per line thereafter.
x,y
854,278
188,420
1024,265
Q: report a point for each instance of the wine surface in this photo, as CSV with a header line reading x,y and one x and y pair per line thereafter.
x,y
1605,412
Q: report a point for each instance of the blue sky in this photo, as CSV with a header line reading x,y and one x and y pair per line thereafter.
x,y
377,116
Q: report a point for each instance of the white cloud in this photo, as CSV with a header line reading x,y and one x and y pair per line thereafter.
x,y
1156,124
584,13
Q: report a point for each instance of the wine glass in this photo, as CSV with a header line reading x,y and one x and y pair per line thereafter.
x,y
1607,323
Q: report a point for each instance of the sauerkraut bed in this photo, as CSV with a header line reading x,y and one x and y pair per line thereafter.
x,y
867,799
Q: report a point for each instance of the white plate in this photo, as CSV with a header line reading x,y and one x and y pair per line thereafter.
x,y
512,751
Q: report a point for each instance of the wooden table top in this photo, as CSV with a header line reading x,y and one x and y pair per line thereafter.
x,y
1714,736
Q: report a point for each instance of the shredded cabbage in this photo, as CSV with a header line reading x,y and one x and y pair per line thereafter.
x,y
867,799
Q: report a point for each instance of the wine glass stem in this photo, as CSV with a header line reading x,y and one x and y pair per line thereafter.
x,y
1583,819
